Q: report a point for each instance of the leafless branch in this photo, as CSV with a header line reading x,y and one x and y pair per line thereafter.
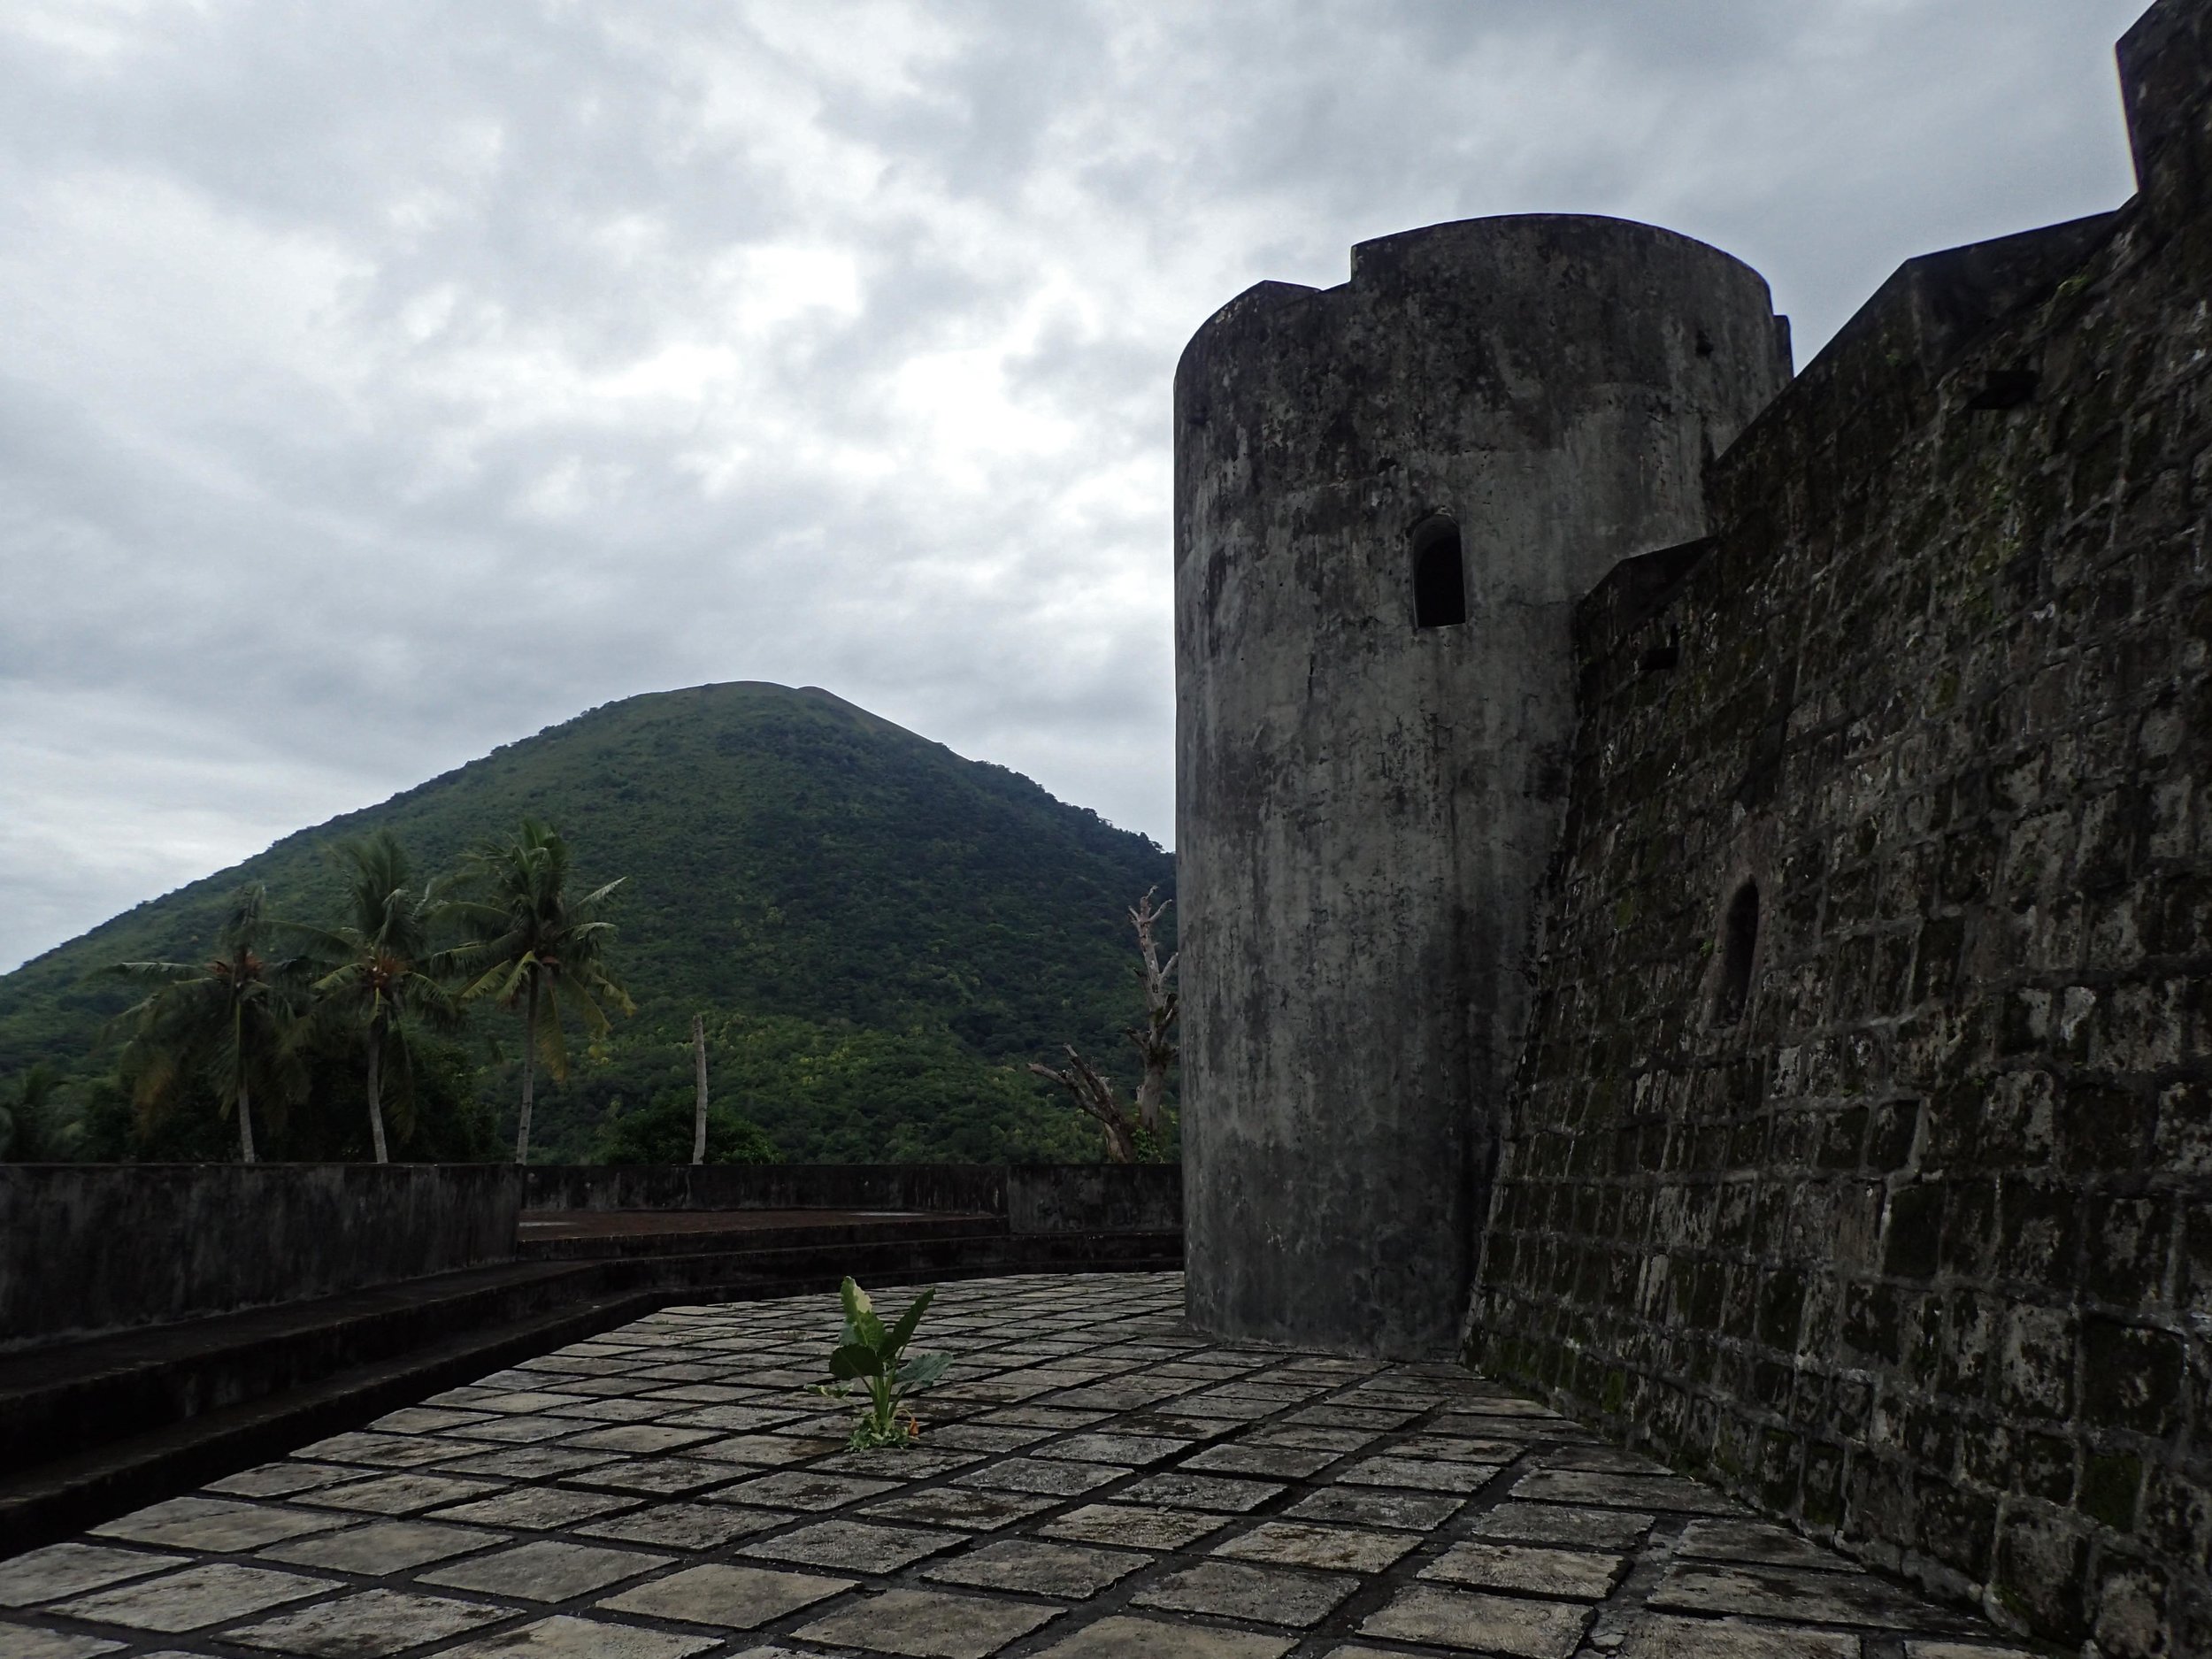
x,y
1095,1096
1152,1042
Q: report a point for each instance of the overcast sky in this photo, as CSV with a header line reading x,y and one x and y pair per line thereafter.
x,y
383,382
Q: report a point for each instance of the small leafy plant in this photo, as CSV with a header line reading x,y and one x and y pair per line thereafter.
x,y
867,1361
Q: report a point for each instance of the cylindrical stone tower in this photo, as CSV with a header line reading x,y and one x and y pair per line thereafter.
x,y
1388,497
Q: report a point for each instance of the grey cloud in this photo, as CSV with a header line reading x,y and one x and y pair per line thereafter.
x,y
388,381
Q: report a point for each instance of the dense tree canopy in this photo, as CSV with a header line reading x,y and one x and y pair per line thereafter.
x,y
880,934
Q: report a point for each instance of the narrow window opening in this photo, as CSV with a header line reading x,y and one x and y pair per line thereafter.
x,y
1440,577
1740,942
2005,388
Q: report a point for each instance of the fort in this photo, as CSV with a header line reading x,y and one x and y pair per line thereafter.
x,y
1697,883
1696,897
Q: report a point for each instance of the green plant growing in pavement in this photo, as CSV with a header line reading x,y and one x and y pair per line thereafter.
x,y
869,1360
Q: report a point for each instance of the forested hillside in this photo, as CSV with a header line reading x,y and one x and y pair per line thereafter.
x,y
879,932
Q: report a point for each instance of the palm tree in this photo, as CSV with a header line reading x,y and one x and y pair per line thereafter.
x,y
230,1022
379,975
30,1130
539,950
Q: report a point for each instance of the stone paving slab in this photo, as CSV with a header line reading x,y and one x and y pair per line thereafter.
x,y
1096,1482
67,1569
374,1622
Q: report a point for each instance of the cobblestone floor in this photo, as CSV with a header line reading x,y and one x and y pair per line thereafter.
x,y
1092,1482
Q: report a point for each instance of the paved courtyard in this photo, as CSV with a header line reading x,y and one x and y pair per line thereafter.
x,y
1093,1481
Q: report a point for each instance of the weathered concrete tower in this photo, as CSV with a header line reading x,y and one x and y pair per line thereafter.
x,y
1388,496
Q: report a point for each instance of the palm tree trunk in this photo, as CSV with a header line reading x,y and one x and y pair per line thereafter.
x,y
529,1071
376,1089
699,1070
245,1105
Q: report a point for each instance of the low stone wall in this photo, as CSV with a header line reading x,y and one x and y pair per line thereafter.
x,y
1034,1198
968,1188
1094,1198
86,1248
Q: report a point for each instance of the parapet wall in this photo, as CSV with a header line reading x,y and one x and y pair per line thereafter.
x,y
86,1248
1034,1198
1887,1204
972,1188
90,1248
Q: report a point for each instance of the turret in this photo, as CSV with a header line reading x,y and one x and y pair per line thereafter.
x,y
1388,496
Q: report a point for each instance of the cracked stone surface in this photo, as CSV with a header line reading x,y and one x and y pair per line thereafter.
x,y
385,1547
546,1570
214,1524
1329,1548
927,1624
374,1622
42,1644
67,1569
213,1593
733,1597
1039,1569
1093,1482
1256,1594
1531,1568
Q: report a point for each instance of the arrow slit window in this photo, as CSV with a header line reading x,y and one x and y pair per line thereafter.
x,y
1439,576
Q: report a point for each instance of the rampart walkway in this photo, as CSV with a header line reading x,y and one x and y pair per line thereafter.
x,y
1095,1482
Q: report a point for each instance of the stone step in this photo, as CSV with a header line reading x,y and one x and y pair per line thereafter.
x,y
94,1429
68,1397
91,1485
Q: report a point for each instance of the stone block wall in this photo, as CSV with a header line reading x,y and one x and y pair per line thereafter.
x,y
92,1248
1094,1198
1033,1197
967,1188
1892,1210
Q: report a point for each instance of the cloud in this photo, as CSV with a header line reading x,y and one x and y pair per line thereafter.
x,y
386,381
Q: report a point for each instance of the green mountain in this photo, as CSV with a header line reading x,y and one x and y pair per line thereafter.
x,y
878,931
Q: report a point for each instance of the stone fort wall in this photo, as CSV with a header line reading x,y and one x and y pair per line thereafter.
x,y
1883,1199
1367,795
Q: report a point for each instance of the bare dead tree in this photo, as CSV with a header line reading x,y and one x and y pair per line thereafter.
x,y
1094,1097
1094,1092
1154,1046
699,1075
